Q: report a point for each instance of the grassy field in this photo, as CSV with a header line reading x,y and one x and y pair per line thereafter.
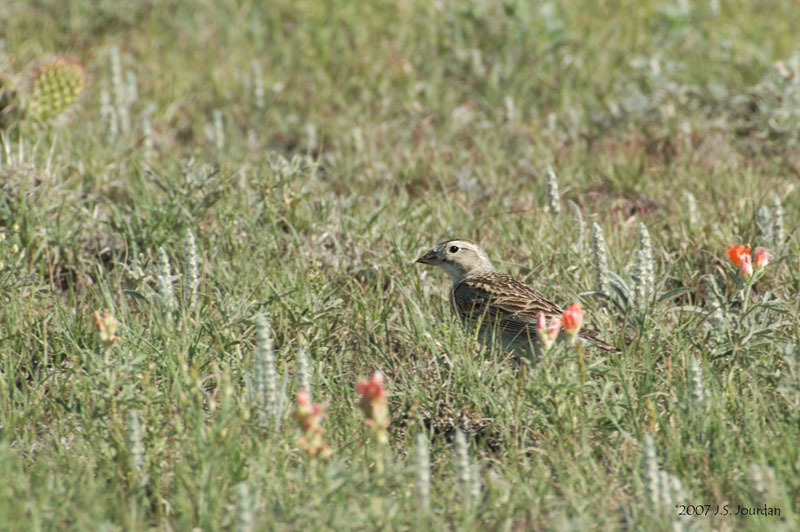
x,y
313,150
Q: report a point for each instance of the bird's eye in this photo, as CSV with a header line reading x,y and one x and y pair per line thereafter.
x,y
453,249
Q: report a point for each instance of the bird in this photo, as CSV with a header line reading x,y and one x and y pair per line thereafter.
x,y
503,307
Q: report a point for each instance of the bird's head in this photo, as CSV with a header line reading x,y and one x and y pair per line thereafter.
x,y
459,258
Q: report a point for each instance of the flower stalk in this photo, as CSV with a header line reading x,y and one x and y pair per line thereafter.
x,y
309,418
548,333
551,189
375,405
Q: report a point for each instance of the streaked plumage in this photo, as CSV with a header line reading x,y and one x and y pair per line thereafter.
x,y
499,303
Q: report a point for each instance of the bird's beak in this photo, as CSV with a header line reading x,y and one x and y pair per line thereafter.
x,y
430,257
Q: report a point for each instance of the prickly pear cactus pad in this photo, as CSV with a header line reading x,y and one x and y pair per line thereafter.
x,y
56,85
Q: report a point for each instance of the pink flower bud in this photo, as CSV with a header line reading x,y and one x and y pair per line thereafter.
x,y
547,333
745,266
761,258
541,322
554,328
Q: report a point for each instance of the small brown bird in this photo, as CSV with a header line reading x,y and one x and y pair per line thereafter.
x,y
498,302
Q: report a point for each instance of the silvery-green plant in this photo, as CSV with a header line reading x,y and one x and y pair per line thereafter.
x,y
136,450
284,168
108,114
672,491
264,374
422,469
131,88
599,259
634,295
738,319
246,521
508,104
776,119
191,274
714,303
136,454
475,485
788,376
697,387
646,248
297,166
252,141
672,494
218,129
10,111
358,144
579,225
258,84
644,273
663,490
551,190
764,223
763,482
467,475
11,254
311,136
119,90
690,210
148,142
651,475
778,231
165,290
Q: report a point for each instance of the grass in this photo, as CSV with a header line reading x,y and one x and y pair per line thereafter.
x,y
315,149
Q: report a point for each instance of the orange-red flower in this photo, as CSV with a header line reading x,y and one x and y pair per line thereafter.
x,y
761,257
736,251
572,318
372,389
375,405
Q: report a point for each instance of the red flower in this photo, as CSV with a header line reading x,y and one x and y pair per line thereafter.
x,y
572,318
375,406
761,257
373,388
736,251
308,414
304,399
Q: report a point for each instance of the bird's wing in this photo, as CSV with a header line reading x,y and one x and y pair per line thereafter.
x,y
511,305
596,340
503,301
